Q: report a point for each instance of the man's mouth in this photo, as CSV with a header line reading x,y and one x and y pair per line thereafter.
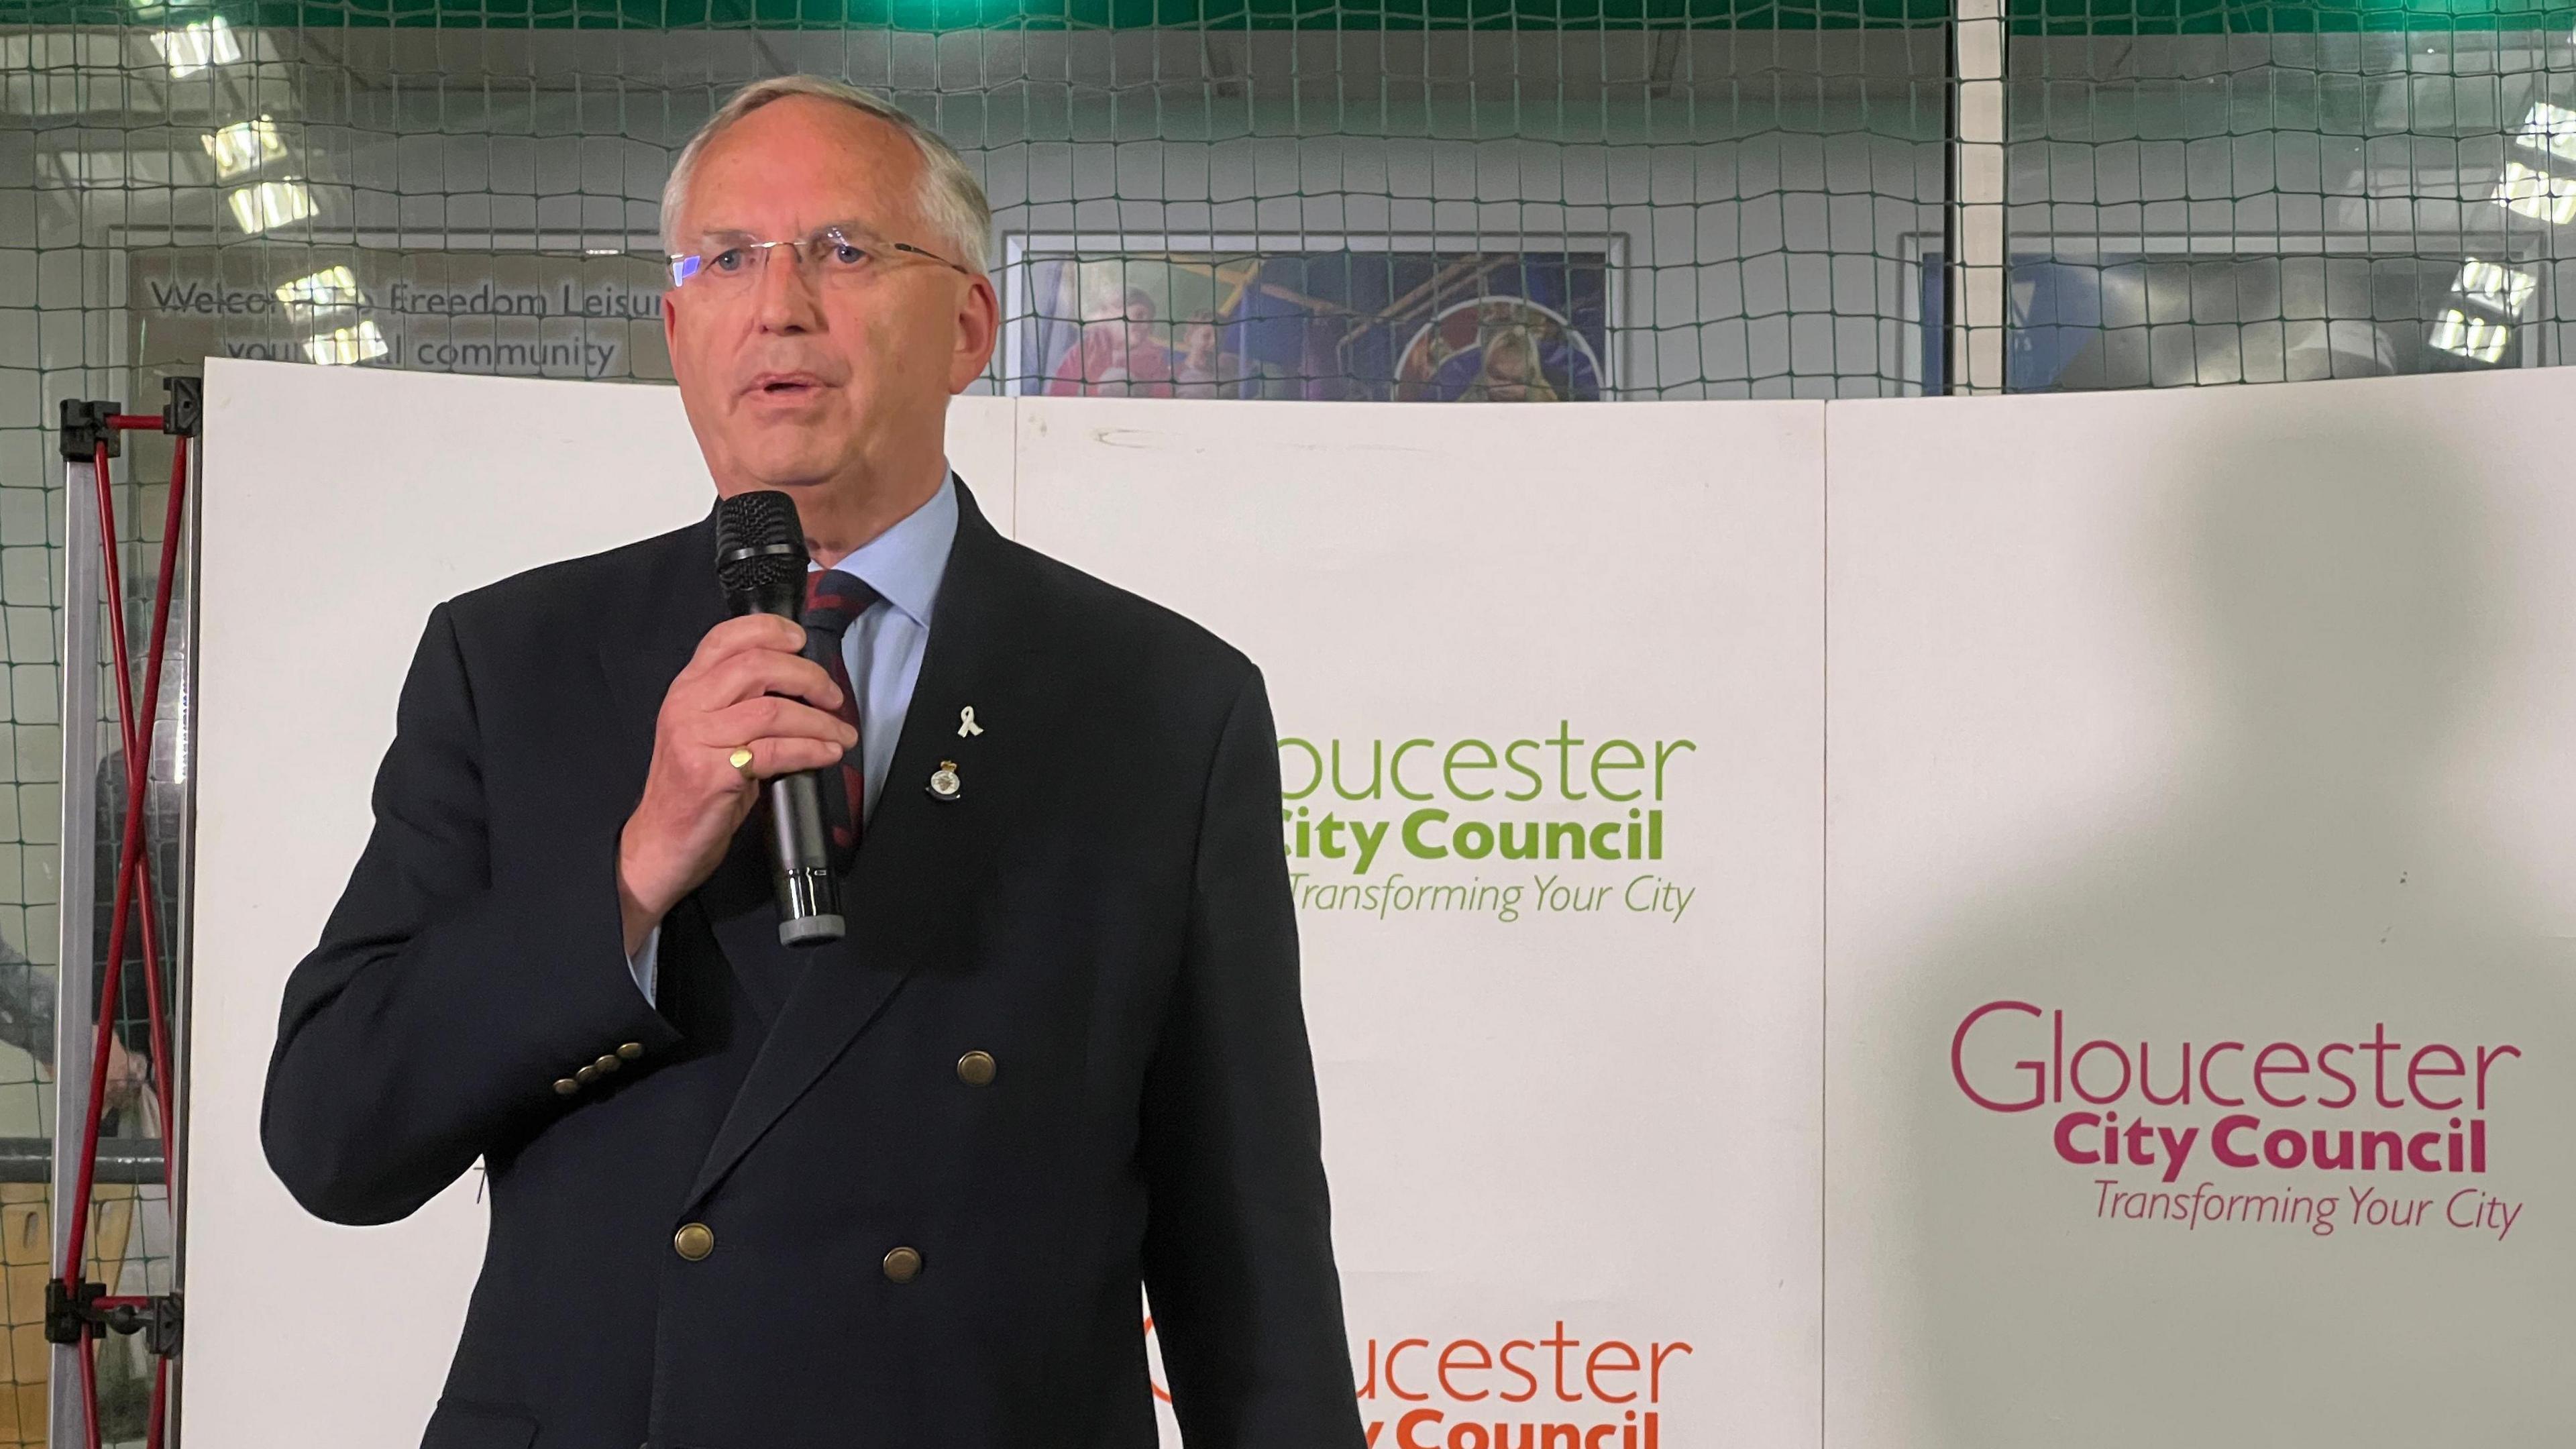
x,y
786,385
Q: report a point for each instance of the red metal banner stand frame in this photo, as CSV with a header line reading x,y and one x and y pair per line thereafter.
x,y
79,1312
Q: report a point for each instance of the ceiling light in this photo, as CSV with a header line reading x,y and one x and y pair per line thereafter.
x,y
342,346
271,204
244,147
2497,287
192,48
2549,128
2480,339
326,290
2540,195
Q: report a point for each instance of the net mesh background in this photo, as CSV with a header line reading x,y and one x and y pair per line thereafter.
x,y
1291,199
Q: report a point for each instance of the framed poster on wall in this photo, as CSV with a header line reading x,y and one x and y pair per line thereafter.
x,y
1309,316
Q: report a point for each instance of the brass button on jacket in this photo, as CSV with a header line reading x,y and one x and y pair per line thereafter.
x,y
903,1264
607,1064
566,1086
694,1241
631,1050
586,1075
975,1069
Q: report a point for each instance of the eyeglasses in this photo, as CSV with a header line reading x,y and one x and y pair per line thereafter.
x,y
838,254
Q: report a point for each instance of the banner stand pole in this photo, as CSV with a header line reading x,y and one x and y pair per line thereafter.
x,y
79,1312
76,901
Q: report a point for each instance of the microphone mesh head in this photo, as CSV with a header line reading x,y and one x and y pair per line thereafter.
x,y
760,545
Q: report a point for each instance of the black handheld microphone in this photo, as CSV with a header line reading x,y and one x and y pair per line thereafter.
x,y
760,561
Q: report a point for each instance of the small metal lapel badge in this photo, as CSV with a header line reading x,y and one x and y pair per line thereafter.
x,y
966,723
944,783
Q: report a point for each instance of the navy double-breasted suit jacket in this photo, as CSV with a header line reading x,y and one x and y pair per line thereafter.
x,y
783,1206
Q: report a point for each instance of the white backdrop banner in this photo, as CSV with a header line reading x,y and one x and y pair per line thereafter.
x,y
1550,694
2201,902
2146,1024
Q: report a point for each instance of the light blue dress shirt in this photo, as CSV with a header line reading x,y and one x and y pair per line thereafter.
x,y
881,649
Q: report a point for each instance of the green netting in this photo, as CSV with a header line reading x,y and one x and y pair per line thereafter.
x,y
2099,18
939,16
2031,17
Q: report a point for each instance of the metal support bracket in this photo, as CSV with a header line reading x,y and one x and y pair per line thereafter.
x,y
90,1313
86,425
185,412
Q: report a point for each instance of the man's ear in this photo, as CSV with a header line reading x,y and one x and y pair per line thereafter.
x,y
979,327
671,327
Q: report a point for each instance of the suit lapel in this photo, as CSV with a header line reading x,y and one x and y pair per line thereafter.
x,y
678,603
922,860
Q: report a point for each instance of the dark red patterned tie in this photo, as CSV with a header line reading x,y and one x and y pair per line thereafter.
x,y
833,601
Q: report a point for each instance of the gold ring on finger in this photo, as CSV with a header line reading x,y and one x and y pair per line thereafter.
x,y
740,759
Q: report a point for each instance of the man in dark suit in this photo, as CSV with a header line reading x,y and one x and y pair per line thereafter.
x,y
900,1190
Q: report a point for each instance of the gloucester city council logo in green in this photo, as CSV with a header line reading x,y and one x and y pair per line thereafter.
x,y
1541,823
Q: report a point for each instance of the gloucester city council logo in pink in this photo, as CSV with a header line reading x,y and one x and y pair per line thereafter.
x,y
2376,1104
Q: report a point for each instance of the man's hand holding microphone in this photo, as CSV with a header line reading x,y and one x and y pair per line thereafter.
x,y
746,688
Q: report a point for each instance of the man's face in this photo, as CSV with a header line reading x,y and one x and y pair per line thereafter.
x,y
794,379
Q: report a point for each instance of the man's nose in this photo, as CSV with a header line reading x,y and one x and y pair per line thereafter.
x,y
784,293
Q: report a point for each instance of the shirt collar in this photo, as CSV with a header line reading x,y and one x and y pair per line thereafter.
x,y
905,563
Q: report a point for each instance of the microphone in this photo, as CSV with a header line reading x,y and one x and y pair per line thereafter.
x,y
760,561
